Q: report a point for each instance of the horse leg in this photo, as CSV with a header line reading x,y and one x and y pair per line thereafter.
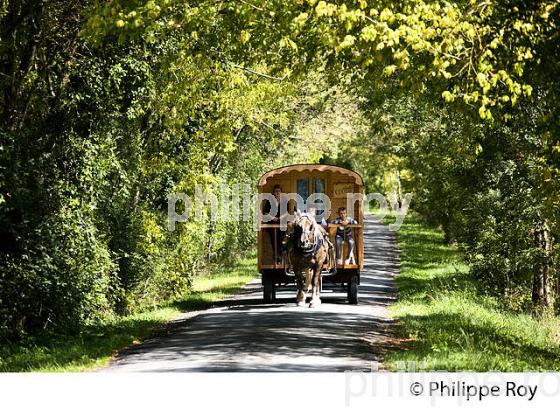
x,y
300,298
308,280
316,293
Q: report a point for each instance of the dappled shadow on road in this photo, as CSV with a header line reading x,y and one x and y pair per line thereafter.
x,y
267,338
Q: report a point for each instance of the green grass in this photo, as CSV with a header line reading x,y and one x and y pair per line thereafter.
x,y
94,346
447,325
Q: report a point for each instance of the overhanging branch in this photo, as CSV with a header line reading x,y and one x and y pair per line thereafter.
x,y
250,70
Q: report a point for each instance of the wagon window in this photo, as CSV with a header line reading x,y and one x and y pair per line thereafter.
x,y
318,186
303,188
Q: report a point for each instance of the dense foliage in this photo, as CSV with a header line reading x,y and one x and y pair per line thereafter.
x,y
107,107
93,139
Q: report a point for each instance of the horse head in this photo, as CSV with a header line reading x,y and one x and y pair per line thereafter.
x,y
305,231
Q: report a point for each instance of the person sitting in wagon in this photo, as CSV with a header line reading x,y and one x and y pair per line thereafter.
x,y
344,234
276,234
319,218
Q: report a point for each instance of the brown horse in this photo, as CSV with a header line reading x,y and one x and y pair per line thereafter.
x,y
308,250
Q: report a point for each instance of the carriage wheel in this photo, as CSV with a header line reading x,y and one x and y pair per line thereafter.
x,y
269,293
353,290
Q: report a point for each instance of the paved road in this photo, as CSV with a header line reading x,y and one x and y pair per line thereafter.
x,y
242,334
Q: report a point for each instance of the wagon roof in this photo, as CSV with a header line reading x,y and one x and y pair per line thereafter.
x,y
309,168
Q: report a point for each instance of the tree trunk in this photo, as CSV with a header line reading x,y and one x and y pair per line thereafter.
x,y
399,188
20,34
544,292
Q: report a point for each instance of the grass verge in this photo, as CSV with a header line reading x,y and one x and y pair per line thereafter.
x,y
95,345
448,325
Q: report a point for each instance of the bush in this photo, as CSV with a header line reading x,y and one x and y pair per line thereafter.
x,y
64,279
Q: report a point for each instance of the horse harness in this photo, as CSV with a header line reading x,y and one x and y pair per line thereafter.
x,y
320,239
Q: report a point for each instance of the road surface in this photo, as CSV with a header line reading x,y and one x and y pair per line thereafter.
x,y
242,334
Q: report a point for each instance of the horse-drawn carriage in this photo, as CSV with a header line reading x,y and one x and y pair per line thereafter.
x,y
284,248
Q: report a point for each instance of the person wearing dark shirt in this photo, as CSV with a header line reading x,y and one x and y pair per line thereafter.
x,y
275,234
344,234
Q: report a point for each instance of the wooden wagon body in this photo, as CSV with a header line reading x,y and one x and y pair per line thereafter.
x,y
306,179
